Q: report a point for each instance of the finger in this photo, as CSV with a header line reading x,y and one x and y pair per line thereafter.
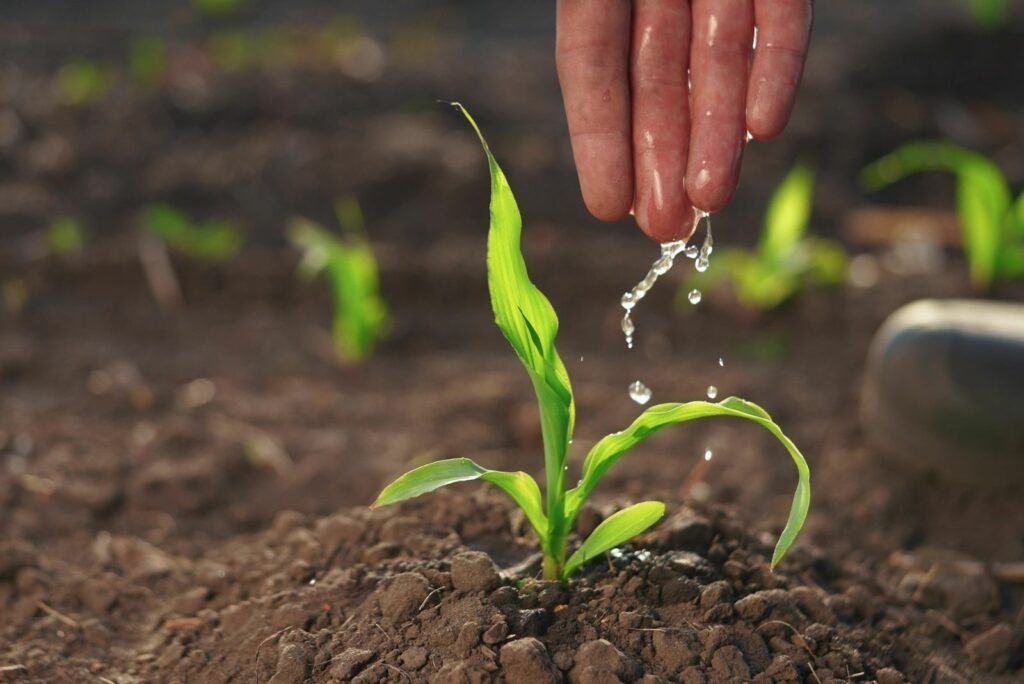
x,y
723,32
591,53
783,32
661,117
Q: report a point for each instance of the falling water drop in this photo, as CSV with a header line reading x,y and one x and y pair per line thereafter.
x,y
694,296
712,391
639,392
721,362
708,454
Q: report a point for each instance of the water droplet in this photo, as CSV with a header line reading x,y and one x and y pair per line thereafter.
x,y
702,264
708,454
712,391
662,265
694,296
581,359
692,251
639,392
615,553
669,251
721,363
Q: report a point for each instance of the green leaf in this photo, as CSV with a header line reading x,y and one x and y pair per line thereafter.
x,y
789,211
521,487
990,14
618,528
607,451
350,267
528,321
212,241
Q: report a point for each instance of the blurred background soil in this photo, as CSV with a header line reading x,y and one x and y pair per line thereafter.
x,y
192,429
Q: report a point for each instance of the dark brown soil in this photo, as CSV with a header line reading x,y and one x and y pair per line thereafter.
x,y
183,493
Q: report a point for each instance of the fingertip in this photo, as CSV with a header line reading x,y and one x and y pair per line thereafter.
x,y
666,223
608,204
708,192
766,116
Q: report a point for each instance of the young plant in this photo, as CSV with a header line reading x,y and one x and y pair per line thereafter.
x,y
989,14
65,236
991,221
528,321
350,267
213,241
82,81
785,260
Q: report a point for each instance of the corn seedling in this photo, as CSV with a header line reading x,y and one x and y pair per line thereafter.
x,y
218,7
212,241
82,81
528,322
989,14
65,236
991,221
147,61
785,259
348,263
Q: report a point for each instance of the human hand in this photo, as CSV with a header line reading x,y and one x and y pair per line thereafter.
x,y
623,70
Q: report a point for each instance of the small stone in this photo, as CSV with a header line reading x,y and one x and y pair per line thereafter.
x,y
292,665
469,637
967,425
672,650
692,533
600,661
474,571
336,531
526,661
888,675
413,658
991,650
496,633
714,594
403,597
349,662
728,662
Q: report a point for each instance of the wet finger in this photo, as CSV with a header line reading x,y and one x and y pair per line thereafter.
x,y
592,49
783,33
723,33
661,117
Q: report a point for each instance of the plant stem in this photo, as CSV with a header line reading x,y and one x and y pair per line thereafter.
x,y
554,558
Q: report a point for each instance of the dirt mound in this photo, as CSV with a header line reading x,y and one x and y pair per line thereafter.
x,y
407,595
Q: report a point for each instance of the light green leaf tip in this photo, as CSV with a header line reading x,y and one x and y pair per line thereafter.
x,y
618,528
528,321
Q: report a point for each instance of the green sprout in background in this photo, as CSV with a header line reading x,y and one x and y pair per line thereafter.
x,y
992,223
65,236
785,259
82,81
528,322
147,61
348,263
218,7
212,241
989,14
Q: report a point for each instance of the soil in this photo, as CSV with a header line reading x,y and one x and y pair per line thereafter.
x,y
183,493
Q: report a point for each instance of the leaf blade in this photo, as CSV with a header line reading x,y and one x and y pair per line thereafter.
x,y
426,478
618,528
612,447
529,323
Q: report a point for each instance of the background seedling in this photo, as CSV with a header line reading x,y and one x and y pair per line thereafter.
x,y
211,241
990,14
785,260
528,321
65,236
82,81
350,267
991,222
